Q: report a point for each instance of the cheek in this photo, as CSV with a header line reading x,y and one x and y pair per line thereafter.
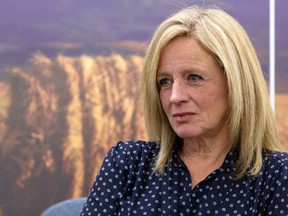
x,y
216,100
165,100
219,103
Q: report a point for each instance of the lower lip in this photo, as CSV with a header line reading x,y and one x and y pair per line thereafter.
x,y
183,118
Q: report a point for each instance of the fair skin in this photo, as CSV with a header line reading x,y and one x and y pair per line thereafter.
x,y
194,96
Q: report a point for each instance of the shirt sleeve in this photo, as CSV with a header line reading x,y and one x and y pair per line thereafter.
x,y
279,189
110,184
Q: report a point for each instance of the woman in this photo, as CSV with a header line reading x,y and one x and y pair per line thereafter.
x,y
215,149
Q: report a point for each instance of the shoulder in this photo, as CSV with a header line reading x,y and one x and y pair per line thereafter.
x,y
128,152
276,163
135,147
276,158
273,181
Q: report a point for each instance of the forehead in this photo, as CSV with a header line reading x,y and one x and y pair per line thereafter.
x,y
184,52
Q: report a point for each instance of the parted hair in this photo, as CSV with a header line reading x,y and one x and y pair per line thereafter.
x,y
251,120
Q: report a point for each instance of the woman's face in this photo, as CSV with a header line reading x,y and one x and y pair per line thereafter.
x,y
193,89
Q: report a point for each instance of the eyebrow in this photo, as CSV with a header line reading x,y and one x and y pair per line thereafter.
x,y
162,73
189,70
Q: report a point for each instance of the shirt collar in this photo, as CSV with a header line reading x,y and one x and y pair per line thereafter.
x,y
228,165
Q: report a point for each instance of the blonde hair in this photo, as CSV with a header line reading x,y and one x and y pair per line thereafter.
x,y
251,120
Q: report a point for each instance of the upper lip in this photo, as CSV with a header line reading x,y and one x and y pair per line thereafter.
x,y
181,114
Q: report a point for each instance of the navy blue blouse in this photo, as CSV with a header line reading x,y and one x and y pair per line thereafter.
x,y
126,186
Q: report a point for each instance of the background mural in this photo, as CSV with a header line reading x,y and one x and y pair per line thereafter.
x,y
68,87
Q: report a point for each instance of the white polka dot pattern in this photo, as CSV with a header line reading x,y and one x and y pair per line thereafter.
x,y
127,186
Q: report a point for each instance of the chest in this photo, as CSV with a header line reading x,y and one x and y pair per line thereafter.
x,y
172,194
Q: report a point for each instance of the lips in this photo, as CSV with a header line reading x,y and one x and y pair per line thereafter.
x,y
183,116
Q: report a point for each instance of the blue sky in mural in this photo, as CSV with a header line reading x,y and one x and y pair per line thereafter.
x,y
74,27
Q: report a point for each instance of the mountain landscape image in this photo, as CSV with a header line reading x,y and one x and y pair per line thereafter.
x,y
69,73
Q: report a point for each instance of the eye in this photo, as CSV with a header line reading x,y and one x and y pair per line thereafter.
x,y
194,78
164,82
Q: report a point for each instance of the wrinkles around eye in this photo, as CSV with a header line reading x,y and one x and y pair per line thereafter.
x,y
164,82
194,77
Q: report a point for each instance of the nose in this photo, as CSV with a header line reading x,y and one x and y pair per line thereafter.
x,y
179,92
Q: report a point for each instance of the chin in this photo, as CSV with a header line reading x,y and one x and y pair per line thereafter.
x,y
188,135
190,131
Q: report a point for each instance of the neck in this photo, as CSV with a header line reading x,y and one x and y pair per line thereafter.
x,y
203,156
204,153
207,147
